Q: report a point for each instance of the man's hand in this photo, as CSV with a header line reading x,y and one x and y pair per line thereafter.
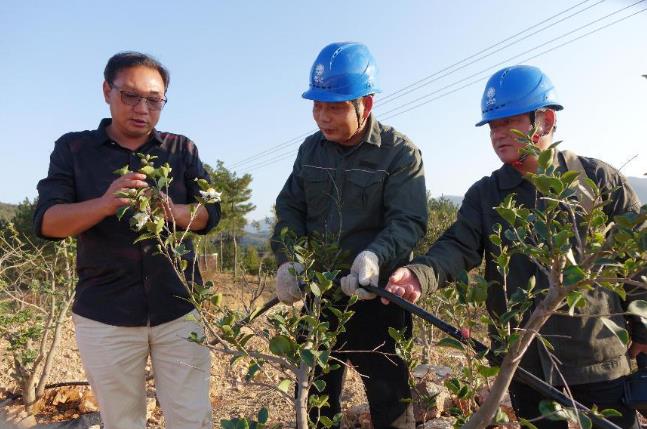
x,y
181,214
364,271
287,285
404,283
169,207
350,286
111,202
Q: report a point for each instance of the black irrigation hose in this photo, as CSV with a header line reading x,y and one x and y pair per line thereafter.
x,y
520,375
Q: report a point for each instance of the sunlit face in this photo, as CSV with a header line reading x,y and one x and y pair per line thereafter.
x,y
337,121
138,120
504,142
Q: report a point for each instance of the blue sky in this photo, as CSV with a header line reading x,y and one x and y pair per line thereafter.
x,y
238,70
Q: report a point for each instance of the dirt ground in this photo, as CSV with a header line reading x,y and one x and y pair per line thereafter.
x,y
231,396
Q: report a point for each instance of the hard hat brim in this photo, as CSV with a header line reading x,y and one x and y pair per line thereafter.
x,y
507,114
317,94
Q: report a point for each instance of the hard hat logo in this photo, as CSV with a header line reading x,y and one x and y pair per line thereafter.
x,y
491,92
342,72
318,74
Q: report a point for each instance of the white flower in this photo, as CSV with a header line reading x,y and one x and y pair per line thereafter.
x,y
138,221
210,196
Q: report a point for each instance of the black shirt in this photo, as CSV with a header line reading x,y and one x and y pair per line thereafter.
x,y
121,283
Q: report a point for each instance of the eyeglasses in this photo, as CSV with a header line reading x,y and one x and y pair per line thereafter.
x,y
133,99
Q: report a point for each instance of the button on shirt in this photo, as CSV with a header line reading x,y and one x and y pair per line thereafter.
x,y
122,283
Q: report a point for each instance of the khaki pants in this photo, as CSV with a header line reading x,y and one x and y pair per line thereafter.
x,y
114,359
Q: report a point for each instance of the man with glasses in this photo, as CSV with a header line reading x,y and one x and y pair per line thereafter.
x,y
129,302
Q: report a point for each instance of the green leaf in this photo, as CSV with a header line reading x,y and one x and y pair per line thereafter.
x,y
545,158
320,385
585,421
527,424
507,214
501,416
610,412
147,170
203,184
326,421
323,357
216,299
308,357
315,289
121,211
618,331
574,299
263,414
142,237
552,410
591,184
281,345
573,274
519,134
251,371
284,385
495,239
542,184
451,343
561,239
122,171
453,385
570,176
488,371
478,293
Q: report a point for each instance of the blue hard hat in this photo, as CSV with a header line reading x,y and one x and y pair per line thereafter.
x,y
342,71
516,90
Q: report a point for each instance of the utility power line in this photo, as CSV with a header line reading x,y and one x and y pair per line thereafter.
x,y
281,147
418,102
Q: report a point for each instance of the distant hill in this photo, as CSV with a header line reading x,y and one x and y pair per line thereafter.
x,y
456,199
640,186
254,237
7,211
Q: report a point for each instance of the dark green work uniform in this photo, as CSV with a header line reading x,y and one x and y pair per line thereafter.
x,y
591,358
372,196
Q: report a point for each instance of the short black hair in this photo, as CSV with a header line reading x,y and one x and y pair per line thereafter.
x,y
127,59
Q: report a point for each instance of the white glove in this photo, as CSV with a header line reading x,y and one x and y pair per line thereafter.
x,y
364,271
287,286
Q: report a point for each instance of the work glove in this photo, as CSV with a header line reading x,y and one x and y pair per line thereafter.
x,y
287,285
364,271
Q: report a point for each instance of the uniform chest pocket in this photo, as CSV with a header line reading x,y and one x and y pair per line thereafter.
x,y
364,189
318,190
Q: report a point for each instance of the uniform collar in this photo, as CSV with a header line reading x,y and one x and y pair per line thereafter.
x,y
102,136
372,135
508,177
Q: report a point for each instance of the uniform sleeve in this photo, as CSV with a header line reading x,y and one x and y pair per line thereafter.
x,y
58,187
195,170
459,249
290,210
405,209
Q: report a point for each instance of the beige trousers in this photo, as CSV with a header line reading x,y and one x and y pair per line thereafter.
x,y
114,359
